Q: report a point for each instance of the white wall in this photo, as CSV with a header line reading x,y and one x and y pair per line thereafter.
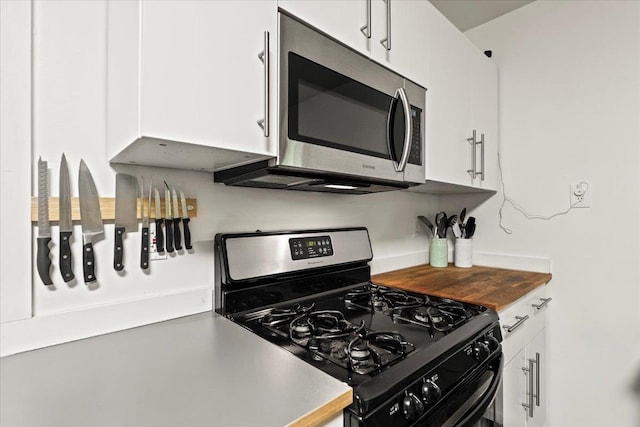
x,y
70,116
570,109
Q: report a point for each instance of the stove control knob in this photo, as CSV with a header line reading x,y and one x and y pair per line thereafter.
x,y
491,342
412,407
481,351
430,392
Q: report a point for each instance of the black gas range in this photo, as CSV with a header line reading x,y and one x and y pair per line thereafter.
x,y
411,359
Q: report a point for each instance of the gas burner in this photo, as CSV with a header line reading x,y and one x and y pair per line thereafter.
x,y
397,299
373,351
320,325
279,316
359,299
380,298
442,315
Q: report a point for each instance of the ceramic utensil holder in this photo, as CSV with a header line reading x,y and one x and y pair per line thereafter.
x,y
463,253
438,252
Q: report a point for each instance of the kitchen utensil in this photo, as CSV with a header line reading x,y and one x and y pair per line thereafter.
x,y
159,220
44,226
65,223
470,228
453,219
177,238
168,223
144,245
442,225
185,221
463,213
456,230
126,219
426,222
90,219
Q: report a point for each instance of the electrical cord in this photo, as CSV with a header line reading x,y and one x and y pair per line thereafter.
x,y
523,211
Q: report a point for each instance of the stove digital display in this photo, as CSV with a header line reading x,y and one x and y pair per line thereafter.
x,y
310,247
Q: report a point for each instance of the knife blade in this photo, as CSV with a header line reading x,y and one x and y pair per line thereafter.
x,y
66,225
159,220
126,218
90,220
43,261
176,220
185,221
168,223
144,246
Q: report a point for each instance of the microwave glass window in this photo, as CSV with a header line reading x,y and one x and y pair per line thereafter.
x,y
330,109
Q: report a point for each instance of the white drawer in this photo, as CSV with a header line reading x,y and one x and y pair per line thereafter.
x,y
522,334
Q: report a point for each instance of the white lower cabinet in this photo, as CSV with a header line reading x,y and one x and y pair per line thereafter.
x,y
524,380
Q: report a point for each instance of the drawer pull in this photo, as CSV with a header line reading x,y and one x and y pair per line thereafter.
x,y
520,321
544,302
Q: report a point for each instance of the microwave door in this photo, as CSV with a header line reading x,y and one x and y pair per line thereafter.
x,y
399,130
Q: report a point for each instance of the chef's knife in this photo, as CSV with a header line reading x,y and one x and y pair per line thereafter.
x,y
66,225
90,219
43,261
159,235
176,220
144,246
185,221
126,218
168,223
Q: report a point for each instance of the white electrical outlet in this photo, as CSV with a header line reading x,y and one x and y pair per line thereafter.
x,y
580,194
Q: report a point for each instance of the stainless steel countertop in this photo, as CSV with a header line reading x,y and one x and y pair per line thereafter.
x,y
196,370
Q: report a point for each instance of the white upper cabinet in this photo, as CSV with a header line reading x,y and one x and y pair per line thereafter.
x,y
202,86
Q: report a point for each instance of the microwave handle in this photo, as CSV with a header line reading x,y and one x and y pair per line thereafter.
x,y
402,94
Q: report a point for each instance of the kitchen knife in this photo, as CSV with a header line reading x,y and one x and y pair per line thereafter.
x,y
168,223
126,218
66,225
185,221
159,220
144,246
43,261
90,219
176,220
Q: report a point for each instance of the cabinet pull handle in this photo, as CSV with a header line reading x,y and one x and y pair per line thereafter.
x,y
264,57
537,362
482,156
544,302
520,321
529,373
473,143
386,42
366,28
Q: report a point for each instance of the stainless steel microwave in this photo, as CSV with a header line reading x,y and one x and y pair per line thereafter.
x,y
345,122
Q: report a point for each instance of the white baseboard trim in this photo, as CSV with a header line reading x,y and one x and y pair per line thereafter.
x,y
44,331
511,262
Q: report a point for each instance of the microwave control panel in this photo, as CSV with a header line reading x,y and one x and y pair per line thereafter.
x,y
415,154
310,247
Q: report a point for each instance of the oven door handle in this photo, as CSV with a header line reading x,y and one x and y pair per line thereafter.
x,y
473,414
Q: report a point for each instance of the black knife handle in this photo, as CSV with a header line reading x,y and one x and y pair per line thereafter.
x,y
187,233
169,233
176,234
43,261
159,235
144,249
65,256
88,263
118,250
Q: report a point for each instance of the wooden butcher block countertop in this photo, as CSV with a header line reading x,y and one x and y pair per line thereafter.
x,y
495,288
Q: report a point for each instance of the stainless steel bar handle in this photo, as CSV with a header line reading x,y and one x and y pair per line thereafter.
x,y
264,57
482,156
520,321
472,141
386,42
366,28
408,131
545,301
529,372
537,362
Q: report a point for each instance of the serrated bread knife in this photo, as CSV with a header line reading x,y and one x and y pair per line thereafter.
x,y
90,219
43,261
185,221
159,235
66,225
126,218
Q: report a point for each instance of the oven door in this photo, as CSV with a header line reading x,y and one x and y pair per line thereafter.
x,y
342,113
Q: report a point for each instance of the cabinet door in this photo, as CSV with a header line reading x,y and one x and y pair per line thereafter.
x,y
483,76
201,79
536,350
514,384
341,19
448,116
